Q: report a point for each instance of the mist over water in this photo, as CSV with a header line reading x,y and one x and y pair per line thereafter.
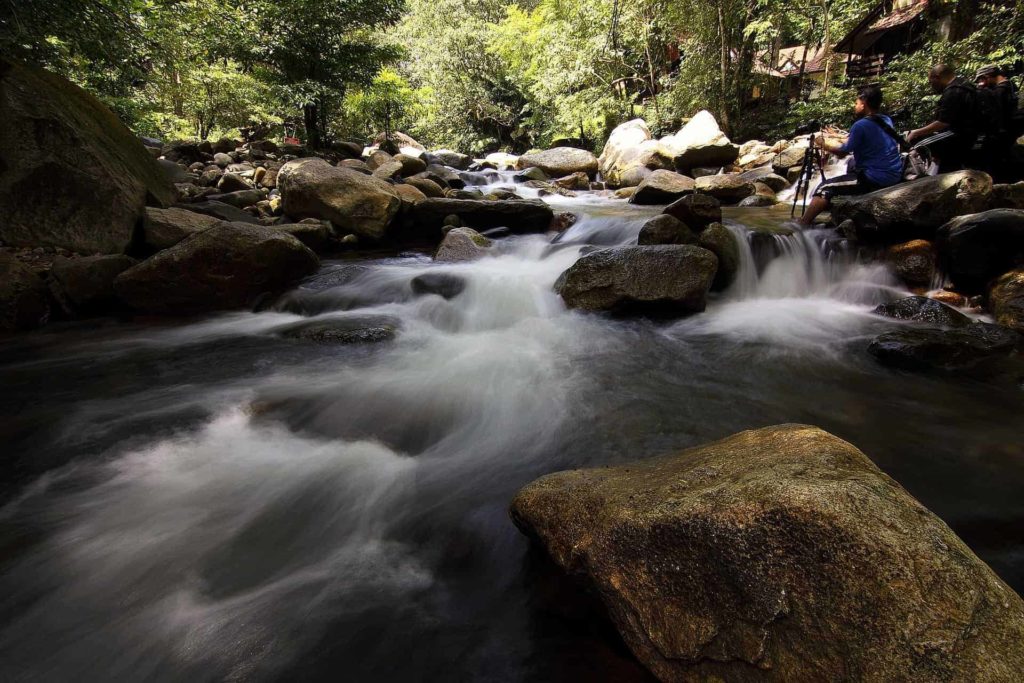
x,y
210,500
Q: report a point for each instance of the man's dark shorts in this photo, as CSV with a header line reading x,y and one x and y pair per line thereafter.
x,y
845,185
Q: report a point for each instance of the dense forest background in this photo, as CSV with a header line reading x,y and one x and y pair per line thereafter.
x,y
476,75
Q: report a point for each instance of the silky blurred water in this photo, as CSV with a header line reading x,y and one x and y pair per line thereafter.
x,y
209,500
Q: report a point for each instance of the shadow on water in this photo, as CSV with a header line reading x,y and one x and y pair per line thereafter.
x,y
208,499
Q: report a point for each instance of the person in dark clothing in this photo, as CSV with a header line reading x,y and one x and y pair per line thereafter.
x,y
874,146
998,100
956,114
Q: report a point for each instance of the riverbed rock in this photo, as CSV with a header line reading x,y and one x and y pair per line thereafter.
x,y
390,170
410,164
665,229
24,304
1006,300
354,330
979,247
957,348
85,285
445,285
227,266
518,215
71,174
239,199
664,279
700,143
462,244
777,554
727,188
453,159
717,239
698,211
426,186
631,154
914,209
315,234
662,187
163,228
232,182
1007,196
444,176
766,176
923,310
574,181
757,201
560,161
409,194
913,261
355,203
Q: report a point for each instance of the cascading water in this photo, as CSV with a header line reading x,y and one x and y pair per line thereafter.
x,y
212,500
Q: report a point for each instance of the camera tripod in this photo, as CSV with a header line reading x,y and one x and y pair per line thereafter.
x,y
803,183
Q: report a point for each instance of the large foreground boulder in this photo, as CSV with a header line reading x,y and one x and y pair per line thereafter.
x,y
226,266
163,228
665,279
700,143
560,161
979,247
24,303
519,216
631,154
914,209
778,554
956,348
354,202
662,187
85,285
71,174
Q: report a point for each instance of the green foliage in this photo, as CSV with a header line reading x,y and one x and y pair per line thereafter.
x,y
387,105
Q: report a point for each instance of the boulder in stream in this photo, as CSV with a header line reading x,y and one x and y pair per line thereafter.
x,y
662,279
913,261
728,188
354,202
717,239
914,209
561,161
957,348
71,174
85,285
662,187
700,143
348,330
518,215
24,303
777,554
698,211
979,247
227,266
665,229
631,154
163,228
445,285
462,244
922,309
1006,300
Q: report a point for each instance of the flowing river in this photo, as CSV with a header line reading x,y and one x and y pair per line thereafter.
x,y
209,500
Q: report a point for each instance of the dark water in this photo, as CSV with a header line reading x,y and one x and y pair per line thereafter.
x,y
208,500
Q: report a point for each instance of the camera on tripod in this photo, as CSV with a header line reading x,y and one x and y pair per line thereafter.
x,y
809,128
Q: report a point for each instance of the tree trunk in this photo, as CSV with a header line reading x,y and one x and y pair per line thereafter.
x,y
723,105
311,119
827,45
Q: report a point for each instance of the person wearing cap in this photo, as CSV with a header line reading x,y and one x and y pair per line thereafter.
x,y
1002,99
956,114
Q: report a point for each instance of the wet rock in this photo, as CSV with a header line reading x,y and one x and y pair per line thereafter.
x,y
86,285
630,155
979,247
232,182
923,310
446,285
913,261
700,143
220,210
360,330
163,228
726,188
563,221
240,199
668,279
778,554
1006,300
765,175
545,188
227,266
455,160
788,161
445,177
957,348
561,161
757,201
389,171
409,194
697,211
462,244
411,165
520,216
530,173
353,202
948,297
665,229
73,176
717,239
916,208
426,186
316,235
24,304
1007,196
222,159
662,187
625,192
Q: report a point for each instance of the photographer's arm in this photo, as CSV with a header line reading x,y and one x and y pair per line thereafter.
x,y
931,129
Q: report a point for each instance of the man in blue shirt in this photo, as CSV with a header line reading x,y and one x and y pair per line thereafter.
x,y
873,143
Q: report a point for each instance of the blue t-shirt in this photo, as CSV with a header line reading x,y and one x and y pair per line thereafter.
x,y
877,154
